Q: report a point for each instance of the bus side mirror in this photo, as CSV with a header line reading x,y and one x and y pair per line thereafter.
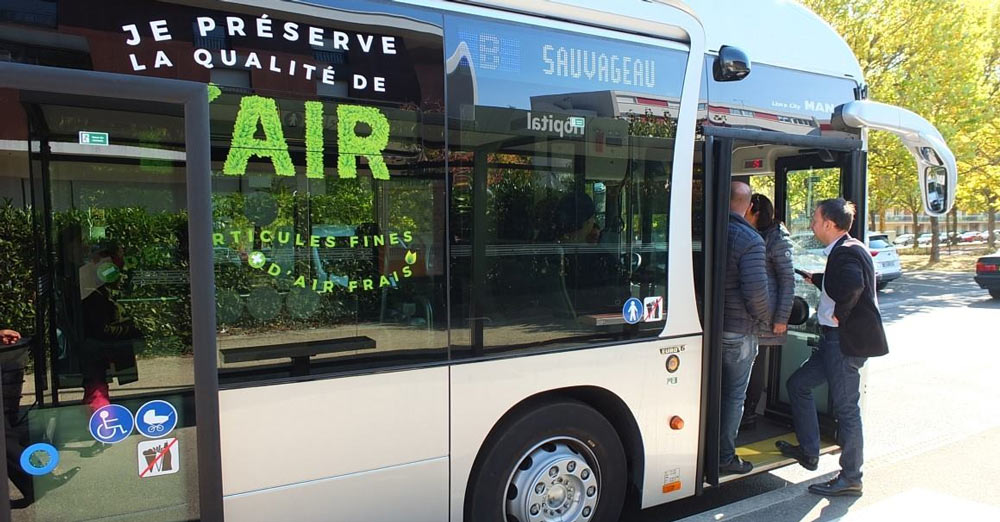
x,y
935,190
936,167
732,65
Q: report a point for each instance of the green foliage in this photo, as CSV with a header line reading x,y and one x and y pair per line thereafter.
x,y
351,145
17,259
938,58
213,92
258,111
651,125
314,139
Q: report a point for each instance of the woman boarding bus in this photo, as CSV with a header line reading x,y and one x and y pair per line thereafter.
x,y
404,260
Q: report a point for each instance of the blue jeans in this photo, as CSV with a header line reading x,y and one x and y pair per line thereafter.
x,y
842,373
738,353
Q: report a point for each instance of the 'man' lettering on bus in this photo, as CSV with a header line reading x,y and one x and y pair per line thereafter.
x,y
261,114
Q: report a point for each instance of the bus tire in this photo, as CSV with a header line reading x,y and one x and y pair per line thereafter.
x,y
563,459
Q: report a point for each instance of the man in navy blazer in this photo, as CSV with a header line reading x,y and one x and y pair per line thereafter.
x,y
851,331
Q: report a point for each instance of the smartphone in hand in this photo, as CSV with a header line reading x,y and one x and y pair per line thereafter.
x,y
803,273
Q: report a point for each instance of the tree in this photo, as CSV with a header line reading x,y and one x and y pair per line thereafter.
x,y
979,185
927,56
979,180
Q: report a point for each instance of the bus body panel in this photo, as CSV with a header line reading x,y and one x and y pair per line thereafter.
x,y
483,392
418,493
777,32
291,434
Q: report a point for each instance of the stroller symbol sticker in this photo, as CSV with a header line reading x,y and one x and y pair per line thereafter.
x,y
155,419
111,424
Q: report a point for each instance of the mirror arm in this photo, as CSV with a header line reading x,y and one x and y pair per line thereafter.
x,y
916,134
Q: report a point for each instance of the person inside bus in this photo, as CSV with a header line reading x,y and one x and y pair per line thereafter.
x,y
851,332
746,308
781,290
104,321
594,280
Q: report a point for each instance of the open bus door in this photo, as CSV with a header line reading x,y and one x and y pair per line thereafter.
x,y
800,171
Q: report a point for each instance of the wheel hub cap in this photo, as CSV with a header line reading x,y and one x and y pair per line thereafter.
x,y
554,482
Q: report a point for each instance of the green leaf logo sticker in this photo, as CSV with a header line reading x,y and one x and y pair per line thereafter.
x,y
254,111
351,145
411,257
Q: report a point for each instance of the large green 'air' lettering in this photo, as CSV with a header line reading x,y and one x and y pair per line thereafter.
x,y
314,139
256,110
351,145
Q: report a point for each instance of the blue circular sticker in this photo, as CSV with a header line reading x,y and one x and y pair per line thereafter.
x,y
111,424
155,419
633,311
30,468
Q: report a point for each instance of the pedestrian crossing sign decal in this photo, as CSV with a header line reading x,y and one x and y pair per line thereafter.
x,y
633,311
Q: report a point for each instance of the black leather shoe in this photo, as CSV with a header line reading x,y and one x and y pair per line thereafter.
x,y
737,466
836,488
795,452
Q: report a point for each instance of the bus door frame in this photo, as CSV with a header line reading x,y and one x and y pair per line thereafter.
x,y
193,96
717,161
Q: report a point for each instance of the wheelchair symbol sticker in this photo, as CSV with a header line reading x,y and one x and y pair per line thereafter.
x,y
111,424
29,456
155,419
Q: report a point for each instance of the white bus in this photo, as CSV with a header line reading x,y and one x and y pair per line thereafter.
x,y
400,260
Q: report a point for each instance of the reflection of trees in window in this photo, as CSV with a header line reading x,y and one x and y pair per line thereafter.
x,y
806,188
17,259
651,125
154,292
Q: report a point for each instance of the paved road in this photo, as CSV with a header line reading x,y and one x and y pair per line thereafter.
x,y
932,422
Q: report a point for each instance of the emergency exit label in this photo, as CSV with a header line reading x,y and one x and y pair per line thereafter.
x,y
93,138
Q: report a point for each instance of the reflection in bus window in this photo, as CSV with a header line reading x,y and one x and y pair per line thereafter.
x,y
329,220
559,189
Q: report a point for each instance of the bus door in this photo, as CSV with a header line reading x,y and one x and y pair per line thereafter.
x,y
97,192
800,182
795,172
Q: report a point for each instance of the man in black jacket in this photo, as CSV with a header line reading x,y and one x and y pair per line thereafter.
x,y
747,310
851,328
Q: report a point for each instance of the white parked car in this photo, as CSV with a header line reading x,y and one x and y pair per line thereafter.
x,y
904,240
925,239
887,265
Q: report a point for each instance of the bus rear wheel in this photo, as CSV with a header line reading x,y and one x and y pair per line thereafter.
x,y
562,461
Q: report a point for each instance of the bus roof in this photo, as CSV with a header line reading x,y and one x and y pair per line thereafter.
x,y
776,32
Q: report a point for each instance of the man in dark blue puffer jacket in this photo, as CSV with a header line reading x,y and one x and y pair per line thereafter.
x,y
747,308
